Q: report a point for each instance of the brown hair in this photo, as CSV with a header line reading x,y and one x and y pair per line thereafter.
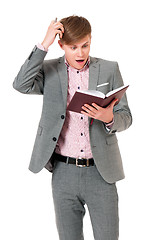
x,y
75,28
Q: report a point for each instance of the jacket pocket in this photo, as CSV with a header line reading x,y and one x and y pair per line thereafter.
x,y
40,129
111,140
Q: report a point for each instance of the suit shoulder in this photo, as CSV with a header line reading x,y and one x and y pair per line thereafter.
x,y
52,62
106,65
105,62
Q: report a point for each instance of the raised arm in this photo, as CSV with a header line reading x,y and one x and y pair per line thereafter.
x,y
30,79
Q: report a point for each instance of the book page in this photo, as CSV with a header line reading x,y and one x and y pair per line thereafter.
x,y
93,93
114,91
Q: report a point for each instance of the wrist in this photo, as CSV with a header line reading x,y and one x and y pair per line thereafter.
x,y
110,122
45,45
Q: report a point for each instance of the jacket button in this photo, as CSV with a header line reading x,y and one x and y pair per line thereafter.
x,y
62,116
54,139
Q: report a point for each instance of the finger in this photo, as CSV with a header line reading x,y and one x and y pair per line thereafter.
x,y
87,114
62,29
87,107
96,106
88,111
59,25
59,29
60,33
111,105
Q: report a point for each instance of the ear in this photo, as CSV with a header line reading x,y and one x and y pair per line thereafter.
x,y
60,44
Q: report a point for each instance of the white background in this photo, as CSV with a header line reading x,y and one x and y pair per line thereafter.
x,y
123,31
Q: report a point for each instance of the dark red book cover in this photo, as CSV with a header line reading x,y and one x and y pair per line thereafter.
x,y
79,99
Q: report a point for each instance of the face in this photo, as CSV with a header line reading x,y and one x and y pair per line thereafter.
x,y
78,53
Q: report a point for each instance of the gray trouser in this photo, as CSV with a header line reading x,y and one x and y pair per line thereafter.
x,y
73,187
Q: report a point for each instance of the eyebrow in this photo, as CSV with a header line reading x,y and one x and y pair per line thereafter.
x,y
85,43
82,44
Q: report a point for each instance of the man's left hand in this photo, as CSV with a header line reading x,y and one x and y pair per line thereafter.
x,y
103,114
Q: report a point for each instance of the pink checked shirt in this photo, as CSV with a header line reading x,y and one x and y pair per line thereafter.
x,y
74,138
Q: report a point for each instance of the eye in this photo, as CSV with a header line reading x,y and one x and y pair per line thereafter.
x,y
86,45
73,47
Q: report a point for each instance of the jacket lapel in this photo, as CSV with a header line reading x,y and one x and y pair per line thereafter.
x,y
93,74
62,71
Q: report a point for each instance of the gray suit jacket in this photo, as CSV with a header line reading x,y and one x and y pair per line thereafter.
x,y
49,78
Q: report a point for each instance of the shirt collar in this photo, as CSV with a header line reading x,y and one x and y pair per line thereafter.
x,y
83,69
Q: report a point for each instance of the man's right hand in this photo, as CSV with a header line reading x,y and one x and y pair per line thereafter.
x,y
54,29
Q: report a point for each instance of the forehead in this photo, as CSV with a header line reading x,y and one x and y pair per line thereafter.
x,y
81,42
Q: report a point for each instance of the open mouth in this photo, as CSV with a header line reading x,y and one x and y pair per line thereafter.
x,y
80,61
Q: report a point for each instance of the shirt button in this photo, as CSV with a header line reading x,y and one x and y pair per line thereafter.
x,y
54,139
81,118
62,116
82,151
77,71
78,87
81,134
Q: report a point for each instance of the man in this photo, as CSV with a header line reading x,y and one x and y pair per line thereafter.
x,y
82,154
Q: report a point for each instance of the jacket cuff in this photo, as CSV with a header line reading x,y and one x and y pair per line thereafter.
x,y
108,126
38,53
40,46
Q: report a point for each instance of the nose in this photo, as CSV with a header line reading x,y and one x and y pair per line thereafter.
x,y
80,52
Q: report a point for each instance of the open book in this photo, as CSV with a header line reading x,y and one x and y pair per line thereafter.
x,y
92,96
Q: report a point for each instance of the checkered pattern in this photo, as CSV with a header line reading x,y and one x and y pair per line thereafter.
x,y
74,138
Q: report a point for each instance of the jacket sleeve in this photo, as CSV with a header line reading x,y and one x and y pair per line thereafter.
x,y
30,79
122,114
